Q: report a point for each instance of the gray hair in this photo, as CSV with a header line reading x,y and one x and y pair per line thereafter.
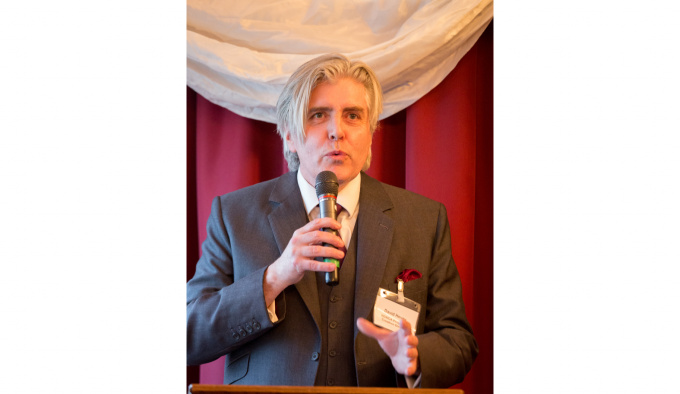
x,y
291,107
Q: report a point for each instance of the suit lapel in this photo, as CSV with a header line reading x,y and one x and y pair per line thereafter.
x,y
288,214
375,228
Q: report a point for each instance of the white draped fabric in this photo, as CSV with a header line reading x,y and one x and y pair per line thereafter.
x,y
240,53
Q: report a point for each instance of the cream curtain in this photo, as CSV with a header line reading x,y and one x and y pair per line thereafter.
x,y
241,53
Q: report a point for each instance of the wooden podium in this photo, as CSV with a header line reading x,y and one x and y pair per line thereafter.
x,y
229,389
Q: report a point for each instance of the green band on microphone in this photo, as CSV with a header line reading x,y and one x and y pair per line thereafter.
x,y
331,260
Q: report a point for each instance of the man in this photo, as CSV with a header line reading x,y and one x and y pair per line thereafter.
x,y
259,295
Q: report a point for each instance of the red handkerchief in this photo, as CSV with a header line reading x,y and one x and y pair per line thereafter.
x,y
408,274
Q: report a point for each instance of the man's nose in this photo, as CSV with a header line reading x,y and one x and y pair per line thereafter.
x,y
335,128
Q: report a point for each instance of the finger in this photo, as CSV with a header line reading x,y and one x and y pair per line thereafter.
x,y
313,265
412,353
412,341
371,330
405,329
319,223
408,338
412,368
313,251
319,238
405,326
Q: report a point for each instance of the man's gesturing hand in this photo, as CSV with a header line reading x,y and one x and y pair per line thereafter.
x,y
401,345
298,257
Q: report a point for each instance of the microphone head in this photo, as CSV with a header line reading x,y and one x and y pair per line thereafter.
x,y
326,183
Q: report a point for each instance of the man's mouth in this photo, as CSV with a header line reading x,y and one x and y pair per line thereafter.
x,y
336,154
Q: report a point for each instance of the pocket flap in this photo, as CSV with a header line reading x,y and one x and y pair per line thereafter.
x,y
237,369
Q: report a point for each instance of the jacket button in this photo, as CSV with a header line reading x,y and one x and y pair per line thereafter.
x,y
256,325
242,332
315,356
249,328
235,335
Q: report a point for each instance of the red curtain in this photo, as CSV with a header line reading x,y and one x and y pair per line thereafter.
x,y
440,147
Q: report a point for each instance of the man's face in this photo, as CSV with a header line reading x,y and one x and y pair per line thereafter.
x,y
338,135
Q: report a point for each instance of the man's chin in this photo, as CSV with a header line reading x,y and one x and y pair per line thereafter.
x,y
345,176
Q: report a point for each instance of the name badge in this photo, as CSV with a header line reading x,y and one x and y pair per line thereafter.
x,y
391,307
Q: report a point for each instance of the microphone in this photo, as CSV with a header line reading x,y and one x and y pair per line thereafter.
x,y
327,193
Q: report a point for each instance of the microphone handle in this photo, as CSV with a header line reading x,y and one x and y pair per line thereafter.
x,y
332,278
327,210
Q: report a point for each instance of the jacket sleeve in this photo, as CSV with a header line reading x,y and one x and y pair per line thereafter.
x,y
223,314
447,348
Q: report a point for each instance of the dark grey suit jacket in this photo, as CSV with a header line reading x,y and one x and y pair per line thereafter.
x,y
248,229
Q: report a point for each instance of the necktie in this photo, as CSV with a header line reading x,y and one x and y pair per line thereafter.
x,y
338,209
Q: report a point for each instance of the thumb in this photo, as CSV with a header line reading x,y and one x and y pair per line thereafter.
x,y
369,329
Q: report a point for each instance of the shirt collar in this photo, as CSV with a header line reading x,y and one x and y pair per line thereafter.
x,y
348,197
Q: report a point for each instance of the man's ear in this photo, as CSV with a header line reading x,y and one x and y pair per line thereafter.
x,y
290,141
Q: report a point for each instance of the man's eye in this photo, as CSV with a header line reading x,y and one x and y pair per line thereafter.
x,y
353,116
317,115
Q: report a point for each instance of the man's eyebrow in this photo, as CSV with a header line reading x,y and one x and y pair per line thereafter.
x,y
314,110
354,109
318,109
